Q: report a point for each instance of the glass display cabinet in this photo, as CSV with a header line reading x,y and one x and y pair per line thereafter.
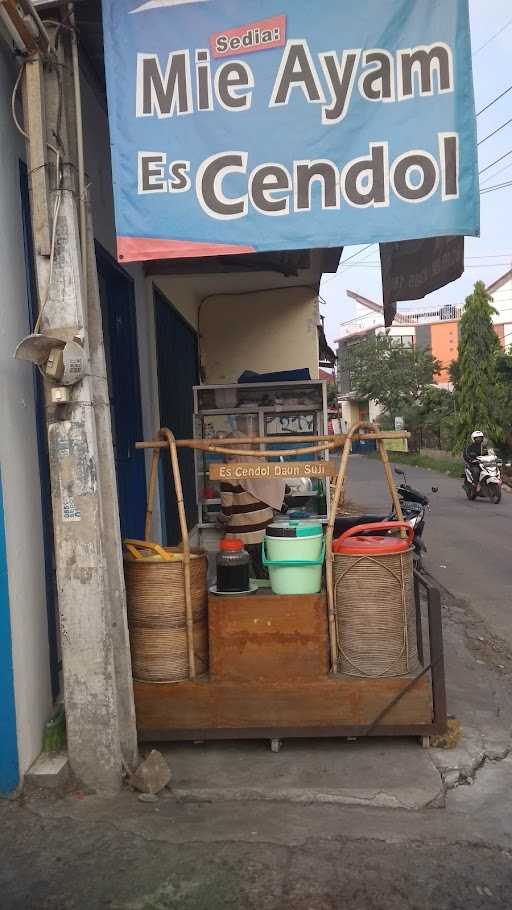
x,y
275,410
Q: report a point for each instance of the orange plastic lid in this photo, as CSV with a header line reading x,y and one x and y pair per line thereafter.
x,y
368,546
231,544
374,542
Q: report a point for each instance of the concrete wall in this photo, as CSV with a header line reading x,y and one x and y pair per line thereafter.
x,y
262,331
18,454
444,339
375,411
502,301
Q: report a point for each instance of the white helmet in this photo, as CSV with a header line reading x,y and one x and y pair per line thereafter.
x,y
477,435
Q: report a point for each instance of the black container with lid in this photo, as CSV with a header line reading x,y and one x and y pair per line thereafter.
x,y
233,564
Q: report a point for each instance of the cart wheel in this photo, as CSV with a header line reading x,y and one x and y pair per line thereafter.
x,y
275,745
425,742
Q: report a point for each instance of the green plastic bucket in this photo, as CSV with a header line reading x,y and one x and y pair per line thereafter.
x,y
294,554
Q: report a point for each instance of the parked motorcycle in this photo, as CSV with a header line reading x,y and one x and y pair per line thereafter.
x,y
414,505
489,483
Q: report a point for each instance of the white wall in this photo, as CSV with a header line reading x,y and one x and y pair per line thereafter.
x,y
18,453
502,301
349,412
375,411
264,332
182,292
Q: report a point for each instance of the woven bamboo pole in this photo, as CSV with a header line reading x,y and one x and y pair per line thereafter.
x,y
391,482
171,442
336,441
258,453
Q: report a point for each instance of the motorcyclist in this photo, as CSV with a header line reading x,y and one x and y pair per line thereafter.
x,y
473,451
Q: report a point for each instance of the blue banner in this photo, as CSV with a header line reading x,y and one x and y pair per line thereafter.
x,y
286,125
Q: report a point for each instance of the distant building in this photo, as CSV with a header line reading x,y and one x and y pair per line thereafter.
x,y
434,329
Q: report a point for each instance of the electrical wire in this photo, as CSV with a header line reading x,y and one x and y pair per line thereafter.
x,y
497,130
496,173
493,37
495,162
498,186
13,102
494,100
488,265
344,262
479,261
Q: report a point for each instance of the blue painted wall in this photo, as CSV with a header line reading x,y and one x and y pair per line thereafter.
x,y
9,771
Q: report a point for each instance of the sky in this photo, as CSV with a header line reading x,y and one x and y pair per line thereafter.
x,y
490,255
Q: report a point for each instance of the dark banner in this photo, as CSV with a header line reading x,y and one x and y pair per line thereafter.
x,y
413,268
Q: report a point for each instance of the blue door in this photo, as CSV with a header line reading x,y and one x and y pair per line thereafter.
x,y
9,774
177,364
117,298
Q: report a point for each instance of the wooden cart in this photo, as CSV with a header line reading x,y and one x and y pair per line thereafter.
x,y
273,659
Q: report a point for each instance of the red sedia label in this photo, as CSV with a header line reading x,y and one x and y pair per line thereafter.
x,y
258,36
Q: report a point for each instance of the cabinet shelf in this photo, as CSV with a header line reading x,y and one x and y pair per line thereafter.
x,y
276,421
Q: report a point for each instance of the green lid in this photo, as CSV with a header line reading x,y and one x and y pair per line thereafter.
x,y
309,530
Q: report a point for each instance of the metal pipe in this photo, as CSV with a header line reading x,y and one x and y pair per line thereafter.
x,y
80,149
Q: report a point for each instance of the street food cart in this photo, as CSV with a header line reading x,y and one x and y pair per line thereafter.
x,y
273,660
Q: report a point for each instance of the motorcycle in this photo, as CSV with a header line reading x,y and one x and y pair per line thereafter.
x,y
489,483
414,505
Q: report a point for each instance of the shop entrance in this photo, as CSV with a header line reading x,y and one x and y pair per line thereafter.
x,y
120,338
177,365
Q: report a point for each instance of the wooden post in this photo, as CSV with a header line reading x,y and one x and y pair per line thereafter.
x,y
168,436
391,482
37,154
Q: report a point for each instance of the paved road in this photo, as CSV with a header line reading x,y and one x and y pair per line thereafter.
x,y
469,543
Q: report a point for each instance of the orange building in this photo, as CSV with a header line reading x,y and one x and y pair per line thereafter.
x,y
435,329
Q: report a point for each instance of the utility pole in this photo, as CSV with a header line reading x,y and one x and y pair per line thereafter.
x,y
98,690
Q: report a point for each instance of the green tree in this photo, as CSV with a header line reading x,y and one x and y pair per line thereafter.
x,y
332,395
435,414
396,377
504,374
475,377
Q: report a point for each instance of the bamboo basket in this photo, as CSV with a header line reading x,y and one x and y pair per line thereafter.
x,y
166,594
372,622
157,619
375,615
